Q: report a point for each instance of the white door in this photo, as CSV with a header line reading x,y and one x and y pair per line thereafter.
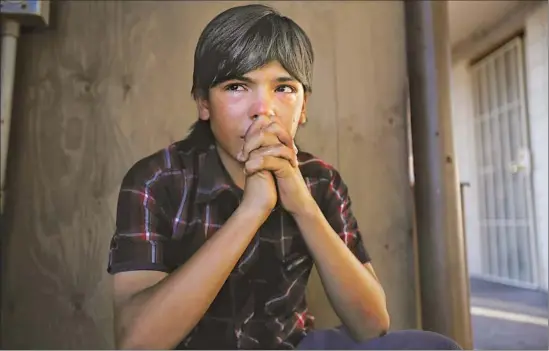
x,y
507,228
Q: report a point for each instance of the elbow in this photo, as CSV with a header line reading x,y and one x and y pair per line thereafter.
x,y
127,342
383,319
124,344
134,343
136,339
383,323
377,325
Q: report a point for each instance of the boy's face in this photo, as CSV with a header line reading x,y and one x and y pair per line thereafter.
x,y
269,90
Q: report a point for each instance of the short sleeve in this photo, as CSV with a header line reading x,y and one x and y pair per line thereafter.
x,y
143,230
336,207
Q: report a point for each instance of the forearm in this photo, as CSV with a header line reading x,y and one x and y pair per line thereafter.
x,y
161,316
354,292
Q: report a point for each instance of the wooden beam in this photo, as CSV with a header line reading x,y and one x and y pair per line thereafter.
x,y
443,273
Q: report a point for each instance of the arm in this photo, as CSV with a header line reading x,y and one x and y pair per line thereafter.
x,y
154,310
350,282
353,289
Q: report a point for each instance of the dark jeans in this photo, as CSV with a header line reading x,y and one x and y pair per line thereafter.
x,y
338,338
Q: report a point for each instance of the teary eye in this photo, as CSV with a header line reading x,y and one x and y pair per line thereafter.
x,y
285,89
234,87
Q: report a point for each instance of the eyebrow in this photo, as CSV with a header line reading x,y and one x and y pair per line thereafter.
x,y
282,79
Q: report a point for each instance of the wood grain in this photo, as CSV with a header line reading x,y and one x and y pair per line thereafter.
x,y
109,84
372,123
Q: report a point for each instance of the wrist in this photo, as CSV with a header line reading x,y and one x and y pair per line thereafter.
x,y
308,210
253,213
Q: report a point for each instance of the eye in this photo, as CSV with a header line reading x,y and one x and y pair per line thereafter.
x,y
288,89
234,87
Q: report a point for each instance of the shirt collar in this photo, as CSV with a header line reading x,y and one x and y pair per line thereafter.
x,y
213,178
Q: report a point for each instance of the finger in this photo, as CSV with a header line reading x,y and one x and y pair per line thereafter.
x,y
263,137
281,133
256,141
273,164
286,136
253,132
257,125
279,150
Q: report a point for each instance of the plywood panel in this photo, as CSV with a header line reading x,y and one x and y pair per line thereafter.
x,y
110,84
373,158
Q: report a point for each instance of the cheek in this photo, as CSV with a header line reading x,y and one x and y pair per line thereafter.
x,y
233,104
293,106
228,119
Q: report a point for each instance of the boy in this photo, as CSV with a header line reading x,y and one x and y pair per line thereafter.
x,y
217,234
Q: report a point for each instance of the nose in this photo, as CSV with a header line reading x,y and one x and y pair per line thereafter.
x,y
262,105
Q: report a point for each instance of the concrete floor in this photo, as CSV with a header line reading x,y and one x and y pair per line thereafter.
x,y
508,318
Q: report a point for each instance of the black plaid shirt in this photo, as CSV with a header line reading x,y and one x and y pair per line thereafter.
x,y
171,202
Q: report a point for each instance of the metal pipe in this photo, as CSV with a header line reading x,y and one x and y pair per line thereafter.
x,y
441,246
10,34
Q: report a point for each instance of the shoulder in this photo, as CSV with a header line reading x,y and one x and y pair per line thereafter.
x,y
326,185
173,161
314,168
323,180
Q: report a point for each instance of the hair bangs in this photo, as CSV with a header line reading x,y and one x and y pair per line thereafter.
x,y
247,38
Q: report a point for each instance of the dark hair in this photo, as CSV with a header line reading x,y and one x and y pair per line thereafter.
x,y
244,38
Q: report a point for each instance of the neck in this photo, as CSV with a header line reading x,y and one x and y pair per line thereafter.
x,y
233,167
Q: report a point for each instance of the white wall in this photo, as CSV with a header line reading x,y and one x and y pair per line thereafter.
x,y
536,46
536,74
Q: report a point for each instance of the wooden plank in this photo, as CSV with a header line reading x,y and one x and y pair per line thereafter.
x,y
373,158
99,91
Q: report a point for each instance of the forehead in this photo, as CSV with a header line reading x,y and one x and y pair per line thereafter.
x,y
270,70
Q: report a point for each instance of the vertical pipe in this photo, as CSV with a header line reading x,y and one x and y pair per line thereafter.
x,y
10,34
441,245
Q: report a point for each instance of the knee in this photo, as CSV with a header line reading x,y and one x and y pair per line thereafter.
x,y
420,339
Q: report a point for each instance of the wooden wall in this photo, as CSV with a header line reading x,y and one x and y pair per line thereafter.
x,y
109,83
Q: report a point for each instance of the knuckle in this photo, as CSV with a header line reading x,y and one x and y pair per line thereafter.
x,y
254,154
262,122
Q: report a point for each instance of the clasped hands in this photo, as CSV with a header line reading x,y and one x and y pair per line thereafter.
x,y
269,153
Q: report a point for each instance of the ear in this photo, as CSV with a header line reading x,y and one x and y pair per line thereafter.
x,y
203,109
303,116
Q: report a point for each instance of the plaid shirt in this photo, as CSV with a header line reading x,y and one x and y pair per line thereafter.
x,y
171,202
